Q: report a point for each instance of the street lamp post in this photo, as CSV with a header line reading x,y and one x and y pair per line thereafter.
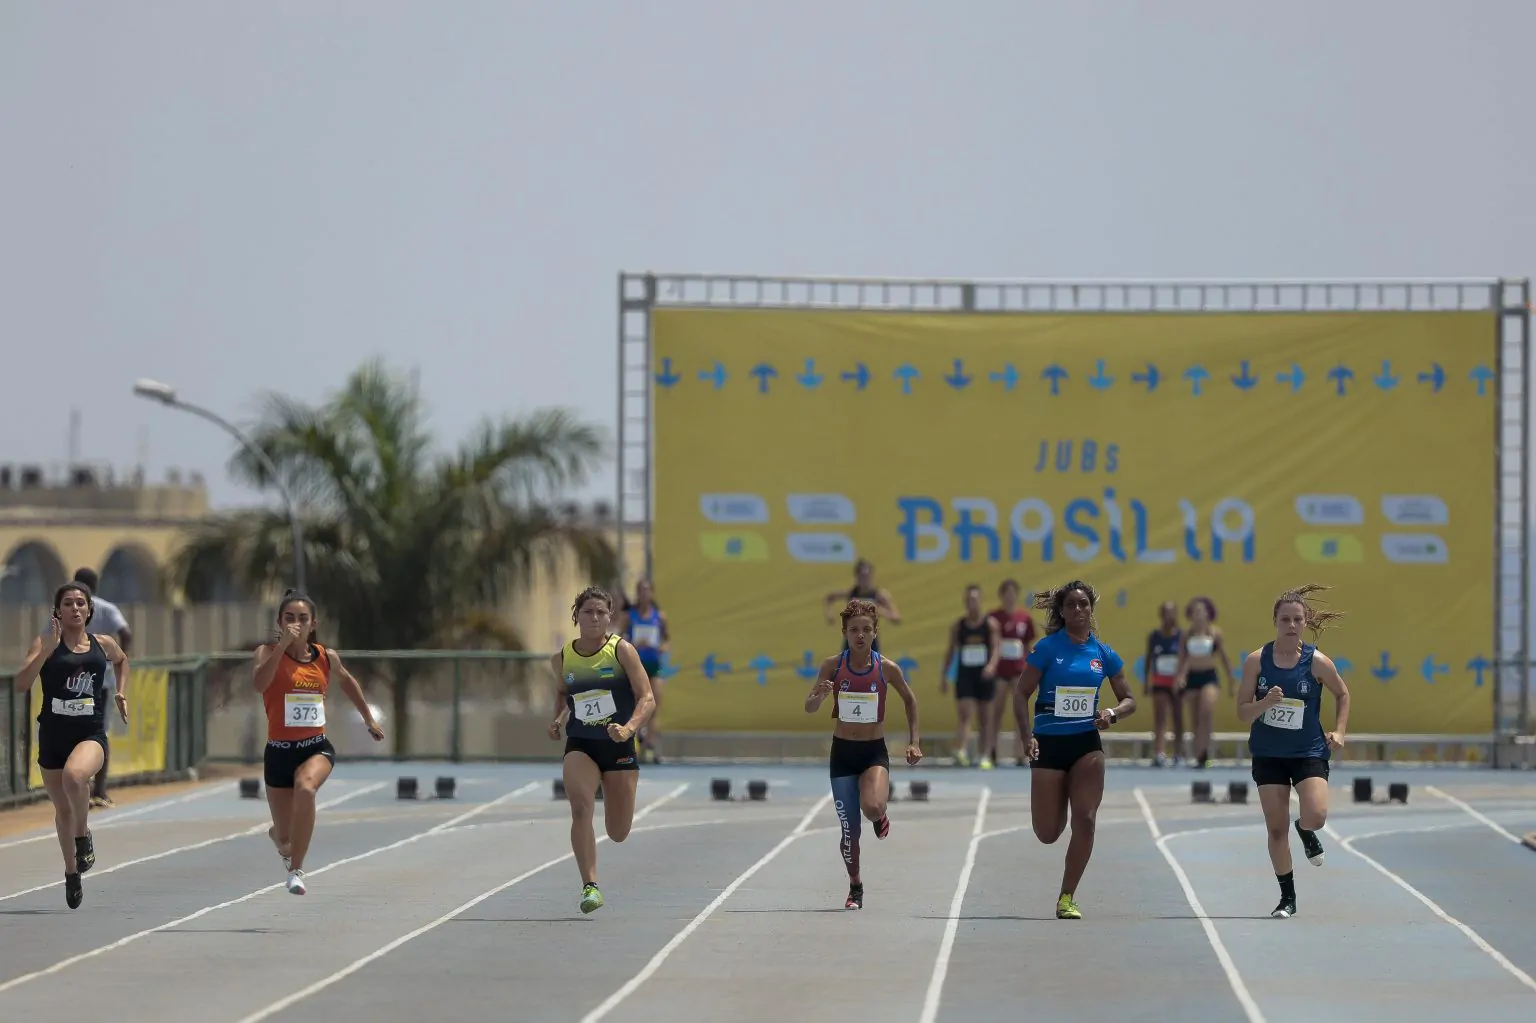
x,y
165,394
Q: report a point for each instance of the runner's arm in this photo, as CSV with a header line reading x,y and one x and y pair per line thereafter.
x,y
351,687
822,687
896,679
27,673
1328,674
639,681
119,661
1146,669
994,645
268,656
557,662
1022,691
1249,709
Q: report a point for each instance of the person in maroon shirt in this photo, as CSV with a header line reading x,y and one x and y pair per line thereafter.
x,y
1018,639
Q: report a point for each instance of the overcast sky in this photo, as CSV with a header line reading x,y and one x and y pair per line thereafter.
x,y
241,196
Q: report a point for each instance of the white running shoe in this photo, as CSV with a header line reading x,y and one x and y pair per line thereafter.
x,y
296,882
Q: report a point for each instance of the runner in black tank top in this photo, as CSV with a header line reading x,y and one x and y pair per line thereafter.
x,y
71,666
863,588
976,637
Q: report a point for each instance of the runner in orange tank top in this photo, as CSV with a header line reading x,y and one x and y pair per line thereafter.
x,y
293,676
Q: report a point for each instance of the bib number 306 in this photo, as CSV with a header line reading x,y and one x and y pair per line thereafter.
x,y
1075,701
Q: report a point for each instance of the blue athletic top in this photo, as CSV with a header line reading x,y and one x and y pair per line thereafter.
x,y
1294,728
1070,676
644,633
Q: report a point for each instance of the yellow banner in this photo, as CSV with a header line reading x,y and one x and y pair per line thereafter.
x,y
1158,456
137,747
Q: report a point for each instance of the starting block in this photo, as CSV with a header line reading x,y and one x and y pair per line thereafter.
x,y
1362,790
405,788
918,790
720,788
445,788
1200,792
250,788
1397,792
757,790
1237,792
559,788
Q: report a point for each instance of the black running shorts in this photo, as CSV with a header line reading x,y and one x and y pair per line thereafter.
x,y
282,759
606,754
1288,771
1060,752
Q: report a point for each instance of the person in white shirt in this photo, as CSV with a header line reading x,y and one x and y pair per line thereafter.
x,y
108,619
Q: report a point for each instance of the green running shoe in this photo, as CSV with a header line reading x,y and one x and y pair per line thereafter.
x,y
591,898
1066,909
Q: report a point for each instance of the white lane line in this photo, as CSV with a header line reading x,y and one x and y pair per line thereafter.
x,y
253,830
1472,936
346,971
110,817
956,904
630,986
477,811
1235,979
1477,815
130,939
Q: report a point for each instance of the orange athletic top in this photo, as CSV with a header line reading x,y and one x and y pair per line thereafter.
x,y
295,701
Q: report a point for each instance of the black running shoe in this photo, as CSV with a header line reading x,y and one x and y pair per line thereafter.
x,y
85,853
1286,908
74,894
855,897
1311,845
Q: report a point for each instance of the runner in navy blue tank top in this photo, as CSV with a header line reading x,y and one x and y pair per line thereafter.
x,y
857,680
1068,668
1281,696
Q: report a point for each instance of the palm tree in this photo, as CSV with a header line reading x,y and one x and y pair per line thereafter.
x,y
406,549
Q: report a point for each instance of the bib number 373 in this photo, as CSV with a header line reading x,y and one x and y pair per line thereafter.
x,y
304,710
1075,701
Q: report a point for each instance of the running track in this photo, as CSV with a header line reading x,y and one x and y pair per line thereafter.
x,y
466,910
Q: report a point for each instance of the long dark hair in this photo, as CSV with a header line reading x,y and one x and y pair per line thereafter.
x,y
1052,600
84,591
295,597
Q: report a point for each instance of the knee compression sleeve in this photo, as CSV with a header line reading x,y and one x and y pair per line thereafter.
x,y
845,797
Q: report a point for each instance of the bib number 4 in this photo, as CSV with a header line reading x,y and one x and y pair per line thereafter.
x,y
858,708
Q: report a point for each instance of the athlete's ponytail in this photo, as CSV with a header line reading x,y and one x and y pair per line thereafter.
x,y
1315,619
295,597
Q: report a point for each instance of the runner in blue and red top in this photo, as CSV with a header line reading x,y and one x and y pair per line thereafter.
x,y
857,680
1018,638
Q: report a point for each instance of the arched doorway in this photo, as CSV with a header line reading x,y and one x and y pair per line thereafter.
x,y
130,576
30,574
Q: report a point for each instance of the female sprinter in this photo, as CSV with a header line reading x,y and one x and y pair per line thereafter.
x,y
600,683
1068,666
977,637
1281,694
860,762
1161,671
72,721
1017,627
645,625
1203,644
293,674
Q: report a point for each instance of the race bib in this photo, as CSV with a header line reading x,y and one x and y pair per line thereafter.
x,y
647,635
1075,701
595,705
973,655
82,708
1165,664
858,708
1012,649
304,710
1287,714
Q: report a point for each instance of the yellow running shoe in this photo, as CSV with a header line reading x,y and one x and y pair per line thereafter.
x,y
1066,909
591,898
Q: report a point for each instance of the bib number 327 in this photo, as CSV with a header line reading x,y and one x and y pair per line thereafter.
x,y
304,710
1075,701
1286,714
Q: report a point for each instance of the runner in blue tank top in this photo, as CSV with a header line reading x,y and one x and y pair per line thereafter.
x,y
1281,695
645,625
1068,667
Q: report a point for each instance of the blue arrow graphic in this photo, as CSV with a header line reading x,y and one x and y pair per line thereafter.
x,y
907,665
1055,375
764,373
905,373
1435,378
1341,375
1481,375
1100,380
1196,375
1479,664
668,667
1430,668
711,667
1384,671
715,375
1343,664
809,378
761,664
1244,381
808,668
1150,378
1295,378
1385,379
858,377
1009,377
667,378
957,379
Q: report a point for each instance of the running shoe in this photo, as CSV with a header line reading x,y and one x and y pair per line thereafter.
x,y
855,897
1066,909
1311,844
296,882
85,853
1286,908
883,827
591,898
74,893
